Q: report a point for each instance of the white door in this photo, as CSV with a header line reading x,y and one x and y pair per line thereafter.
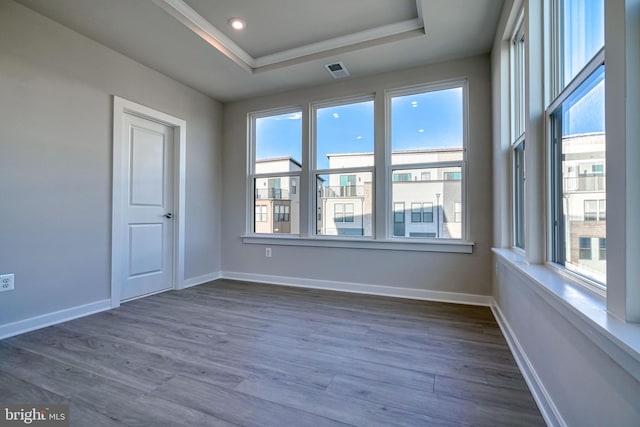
x,y
148,207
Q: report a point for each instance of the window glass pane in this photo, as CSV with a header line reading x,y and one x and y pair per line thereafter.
x,y
274,195
416,212
580,178
427,212
427,127
350,198
441,200
278,143
518,82
519,174
343,134
582,34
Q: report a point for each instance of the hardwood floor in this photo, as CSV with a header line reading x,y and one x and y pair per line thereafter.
x,y
234,353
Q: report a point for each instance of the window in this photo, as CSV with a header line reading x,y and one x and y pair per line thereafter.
x,y
261,213
416,212
578,139
425,169
452,176
518,104
602,245
281,213
427,160
343,212
595,210
421,212
580,34
276,166
402,177
427,212
585,248
518,194
344,162
457,212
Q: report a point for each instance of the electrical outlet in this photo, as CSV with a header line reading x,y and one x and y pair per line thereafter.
x,y
6,282
267,252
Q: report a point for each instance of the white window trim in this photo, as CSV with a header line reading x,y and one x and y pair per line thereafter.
x,y
557,96
251,176
313,163
583,75
307,236
413,90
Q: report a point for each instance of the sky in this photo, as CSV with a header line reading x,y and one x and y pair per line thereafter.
x,y
583,112
425,120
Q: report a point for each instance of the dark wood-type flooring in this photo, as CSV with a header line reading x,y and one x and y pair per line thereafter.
x,y
233,353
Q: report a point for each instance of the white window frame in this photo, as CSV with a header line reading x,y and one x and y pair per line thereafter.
x,y
559,92
517,120
391,168
315,171
251,164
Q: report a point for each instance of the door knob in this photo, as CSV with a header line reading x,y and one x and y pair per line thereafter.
x,y
168,215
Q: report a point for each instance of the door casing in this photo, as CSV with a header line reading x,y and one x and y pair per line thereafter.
x,y
121,107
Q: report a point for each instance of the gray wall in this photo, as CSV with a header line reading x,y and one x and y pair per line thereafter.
x,y
462,273
587,387
56,90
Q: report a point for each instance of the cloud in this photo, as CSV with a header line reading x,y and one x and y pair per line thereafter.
x,y
292,116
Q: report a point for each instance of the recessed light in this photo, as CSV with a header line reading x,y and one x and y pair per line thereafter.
x,y
237,24
421,130
336,115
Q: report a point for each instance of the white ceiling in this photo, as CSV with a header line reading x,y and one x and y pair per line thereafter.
x,y
286,42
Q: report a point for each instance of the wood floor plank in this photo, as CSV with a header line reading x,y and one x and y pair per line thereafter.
x,y
353,411
235,353
238,408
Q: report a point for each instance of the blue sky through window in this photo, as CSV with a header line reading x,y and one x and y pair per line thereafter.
x,y
419,121
279,136
344,129
427,120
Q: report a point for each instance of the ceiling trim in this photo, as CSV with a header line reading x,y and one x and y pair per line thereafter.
x,y
216,38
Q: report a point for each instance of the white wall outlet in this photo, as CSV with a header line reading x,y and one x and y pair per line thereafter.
x,y
267,252
6,282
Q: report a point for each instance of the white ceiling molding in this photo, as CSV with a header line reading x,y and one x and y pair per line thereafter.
x,y
212,35
203,28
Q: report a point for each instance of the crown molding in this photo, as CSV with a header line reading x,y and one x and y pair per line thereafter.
x,y
191,19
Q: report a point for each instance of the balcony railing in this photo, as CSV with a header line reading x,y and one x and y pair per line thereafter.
x,y
585,183
272,193
343,191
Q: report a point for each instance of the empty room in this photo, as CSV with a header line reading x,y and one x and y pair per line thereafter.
x,y
319,213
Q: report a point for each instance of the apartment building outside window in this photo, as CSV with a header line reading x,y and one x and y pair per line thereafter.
x,y
578,139
428,160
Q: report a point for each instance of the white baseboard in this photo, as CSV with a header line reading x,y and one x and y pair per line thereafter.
x,y
195,281
547,408
42,321
359,288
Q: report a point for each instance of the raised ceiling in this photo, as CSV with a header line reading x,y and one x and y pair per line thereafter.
x,y
286,42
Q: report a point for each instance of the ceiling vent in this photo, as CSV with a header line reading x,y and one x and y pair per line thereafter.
x,y
337,70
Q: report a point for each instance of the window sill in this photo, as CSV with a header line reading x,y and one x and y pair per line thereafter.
x,y
447,246
585,310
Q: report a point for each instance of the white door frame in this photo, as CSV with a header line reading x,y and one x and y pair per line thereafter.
x,y
121,107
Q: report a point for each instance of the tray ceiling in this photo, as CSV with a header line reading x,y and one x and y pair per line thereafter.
x,y
286,42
